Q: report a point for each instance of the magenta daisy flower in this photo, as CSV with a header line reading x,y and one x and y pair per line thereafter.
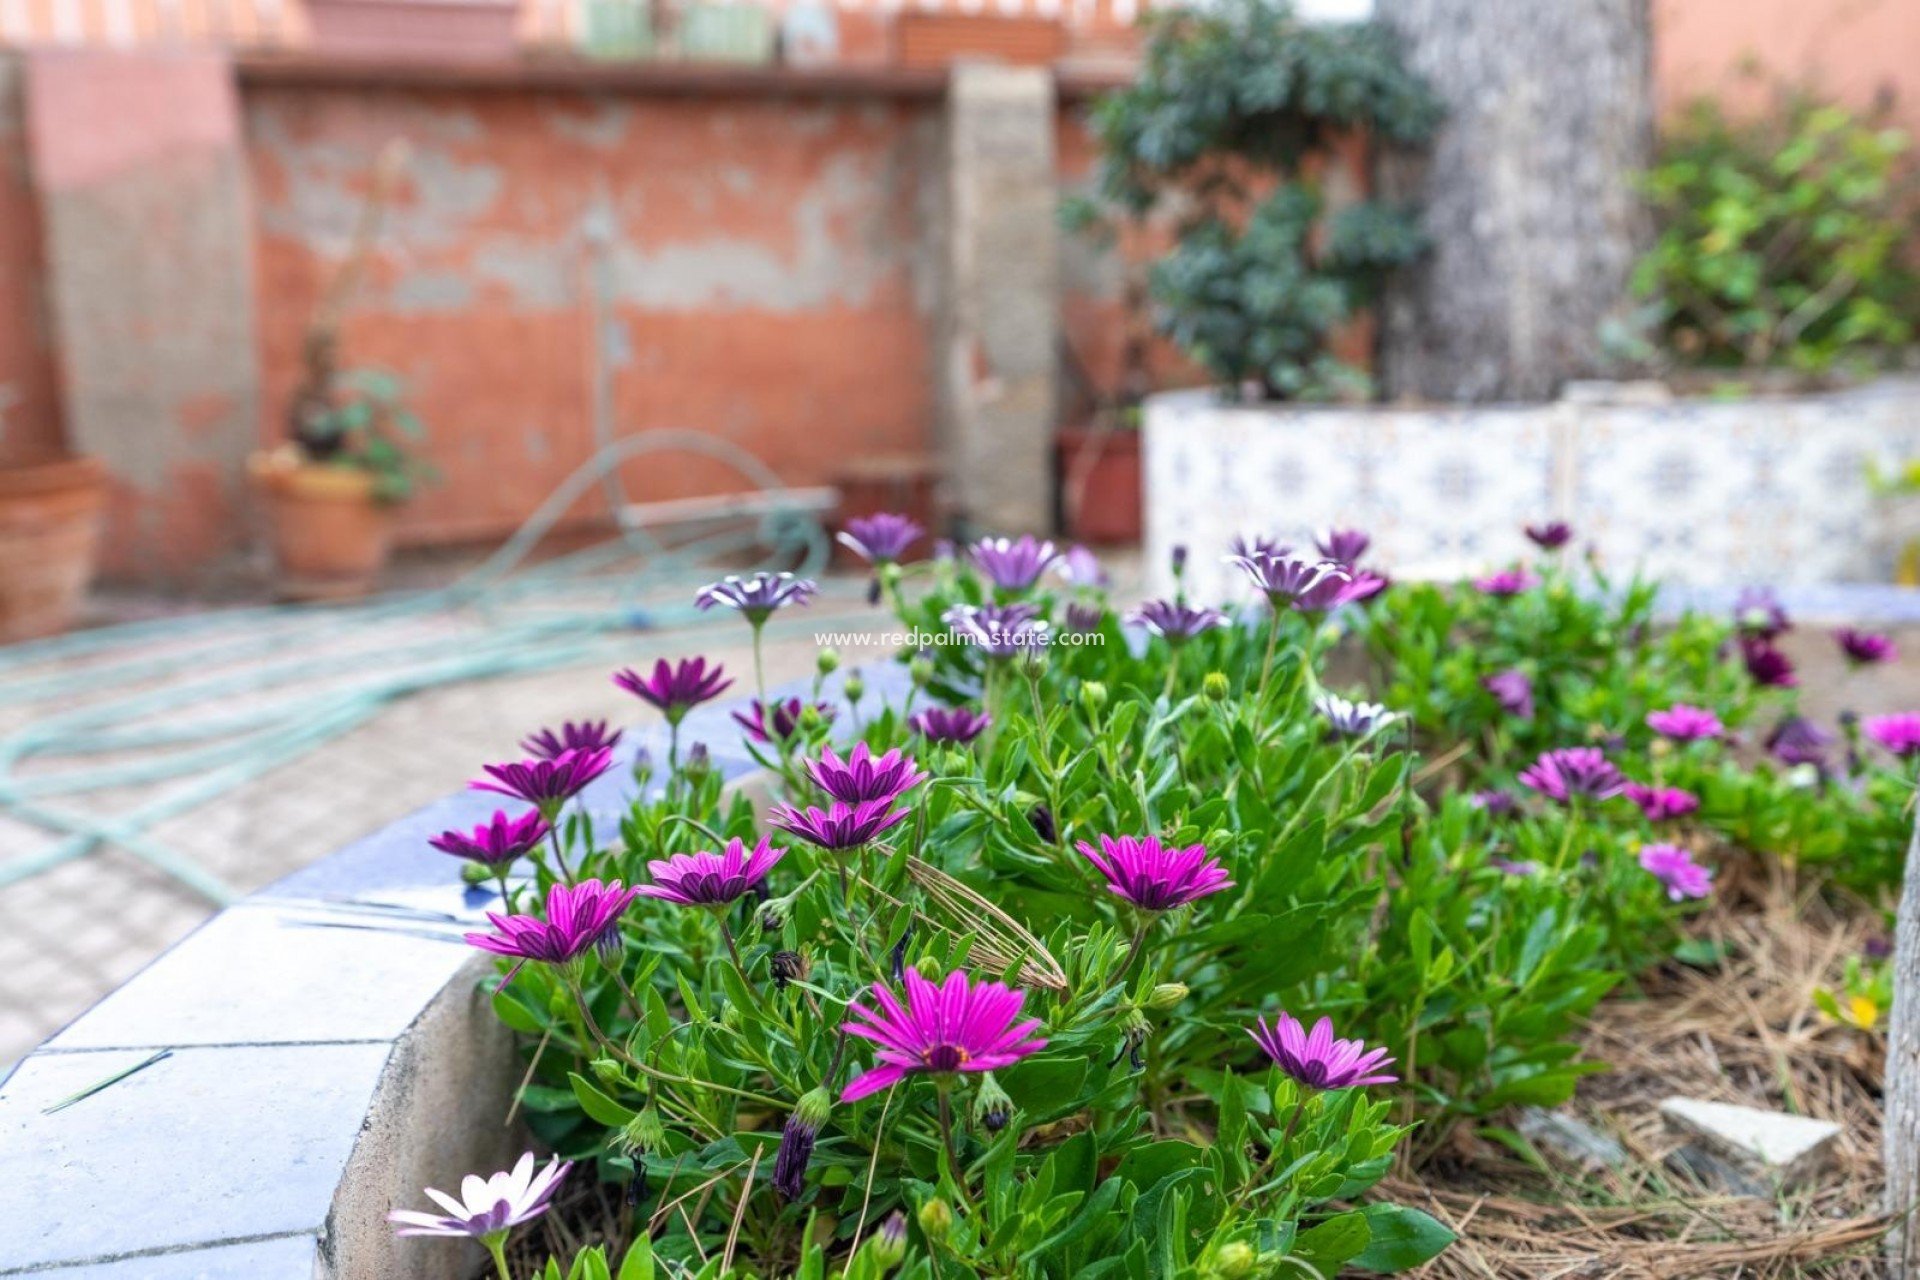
x,y
1316,1059
1662,804
1506,583
1175,621
1574,773
863,776
1156,877
677,688
1013,564
879,539
546,784
1550,536
497,842
1682,722
588,735
1343,546
1675,868
756,597
841,826
1865,648
1898,734
579,918
487,1207
1797,740
1513,690
1766,665
1365,586
958,1025
708,879
776,721
949,724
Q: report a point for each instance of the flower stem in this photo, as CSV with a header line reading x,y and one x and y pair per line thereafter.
x,y
953,1153
497,1246
733,949
1266,665
559,858
759,670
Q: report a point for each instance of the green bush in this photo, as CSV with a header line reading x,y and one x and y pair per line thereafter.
x,y
1230,105
1782,241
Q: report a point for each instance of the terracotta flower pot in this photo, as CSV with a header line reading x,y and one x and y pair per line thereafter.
x,y
49,535
1100,484
329,536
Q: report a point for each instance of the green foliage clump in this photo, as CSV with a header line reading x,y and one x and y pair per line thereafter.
x,y
1232,105
363,421
1782,241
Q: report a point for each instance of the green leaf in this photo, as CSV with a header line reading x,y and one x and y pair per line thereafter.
x,y
599,1105
1401,1238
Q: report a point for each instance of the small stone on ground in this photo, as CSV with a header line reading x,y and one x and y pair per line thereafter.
x,y
1784,1146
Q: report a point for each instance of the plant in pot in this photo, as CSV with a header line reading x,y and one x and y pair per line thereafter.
x,y
330,492
1227,136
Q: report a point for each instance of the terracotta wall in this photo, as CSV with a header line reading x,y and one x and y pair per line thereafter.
x,y
1859,51
767,263
29,409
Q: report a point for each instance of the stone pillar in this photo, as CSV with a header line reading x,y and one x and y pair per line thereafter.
x,y
141,176
29,409
1000,309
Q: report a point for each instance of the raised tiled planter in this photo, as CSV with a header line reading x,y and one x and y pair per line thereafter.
x,y
1698,492
331,1054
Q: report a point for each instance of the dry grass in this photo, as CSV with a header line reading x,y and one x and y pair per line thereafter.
x,y
1747,1033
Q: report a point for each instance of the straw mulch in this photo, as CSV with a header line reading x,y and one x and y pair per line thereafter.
x,y
1746,1032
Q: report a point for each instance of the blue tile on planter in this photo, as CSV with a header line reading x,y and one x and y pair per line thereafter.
x,y
278,973
205,1147
280,1258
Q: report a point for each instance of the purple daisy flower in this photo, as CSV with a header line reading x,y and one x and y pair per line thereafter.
x,y
1348,719
546,784
1316,1059
1683,722
1175,621
1574,772
488,1207
709,879
1083,618
1662,804
1508,866
1496,802
497,842
1343,546
1079,567
841,825
1675,868
1506,584
949,724
579,918
1513,690
1245,547
678,688
1365,586
587,735
999,630
758,596
1757,612
879,539
1342,586
1899,734
958,1025
1865,648
1156,877
776,722
1284,579
1014,564
863,776
1550,536
1797,740
1766,665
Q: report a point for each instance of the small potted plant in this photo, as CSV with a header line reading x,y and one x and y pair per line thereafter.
x,y
329,492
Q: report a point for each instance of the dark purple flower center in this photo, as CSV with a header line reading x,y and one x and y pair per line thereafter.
x,y
944,1057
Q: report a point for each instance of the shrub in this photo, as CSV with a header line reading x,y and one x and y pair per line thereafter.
x,y
1781,240
1231,109
791,1043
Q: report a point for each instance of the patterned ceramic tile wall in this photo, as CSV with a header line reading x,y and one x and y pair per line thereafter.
x,y
1700,492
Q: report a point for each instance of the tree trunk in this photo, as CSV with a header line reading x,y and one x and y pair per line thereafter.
x,y
1528,193
1902,1089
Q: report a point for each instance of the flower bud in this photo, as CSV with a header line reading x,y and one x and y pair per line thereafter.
x,y
642,1133
1043,824
929,968
889,1244
1093,697
1166,995
1215,686
642,768
936,1219
810,721
699,762
606,1071
992,1108
475,873
796,1142
1236,1261
854,687
921,669
1179,559
827,662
